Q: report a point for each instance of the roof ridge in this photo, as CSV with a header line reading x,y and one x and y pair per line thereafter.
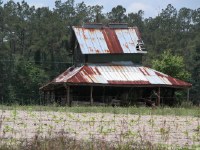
x,y
78,70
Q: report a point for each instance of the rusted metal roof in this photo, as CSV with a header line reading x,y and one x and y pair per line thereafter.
x,y
115,74
107,40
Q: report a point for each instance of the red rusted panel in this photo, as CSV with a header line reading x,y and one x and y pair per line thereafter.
x,y
178,82
138,33
107,40
129,82
80,78
117,75
175,81
143,71
97,71
73,80
89,71
112,41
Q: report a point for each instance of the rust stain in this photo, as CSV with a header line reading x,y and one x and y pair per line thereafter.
x,y
138,33
97,71
143,70
107,36
84,36
126,45
86,74
112,41
129,82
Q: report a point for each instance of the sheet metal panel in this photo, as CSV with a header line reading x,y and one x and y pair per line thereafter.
x,y
134,36
93,40
129,42
86,37
100,79
154,80
122,41
118,75
112,41
106,40
81,40
101,41
165,80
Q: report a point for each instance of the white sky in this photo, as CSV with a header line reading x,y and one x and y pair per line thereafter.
x,y
150,7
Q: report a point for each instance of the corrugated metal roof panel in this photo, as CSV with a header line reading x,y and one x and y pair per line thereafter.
x,y
101,41
117,74
134,36
107,40
81,41
122,41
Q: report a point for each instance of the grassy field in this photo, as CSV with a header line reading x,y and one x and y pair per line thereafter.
x,y
177,111
50,127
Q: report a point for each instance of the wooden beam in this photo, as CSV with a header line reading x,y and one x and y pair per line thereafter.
x,y
53,96
68,96
44,96
103,94
50,97
91,96
188,94
158,103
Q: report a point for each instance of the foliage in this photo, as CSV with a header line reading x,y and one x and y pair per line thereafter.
x,y
29,77
172,65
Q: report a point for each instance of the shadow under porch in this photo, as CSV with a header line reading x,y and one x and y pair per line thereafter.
x,y
74,95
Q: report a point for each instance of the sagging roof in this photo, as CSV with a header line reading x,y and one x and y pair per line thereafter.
x,y
114,39
117,74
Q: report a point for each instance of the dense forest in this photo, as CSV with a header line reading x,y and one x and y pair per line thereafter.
x,y
35,47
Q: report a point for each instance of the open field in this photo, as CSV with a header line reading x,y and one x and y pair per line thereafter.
x,y
167,127
177,111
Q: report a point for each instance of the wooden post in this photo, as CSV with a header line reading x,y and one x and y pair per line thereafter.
x,y
103,94
188,94
50,97
91,98
68,96
158,104
44,97
53,96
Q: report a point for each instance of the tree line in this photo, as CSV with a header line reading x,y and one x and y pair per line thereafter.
x,y
34,42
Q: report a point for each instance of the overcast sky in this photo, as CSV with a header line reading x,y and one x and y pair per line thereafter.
x,y
150,7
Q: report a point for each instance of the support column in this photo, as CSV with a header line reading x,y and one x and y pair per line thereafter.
x,y
158,103
103,94
68,96
50,97
188,94
54,97
91,98
44,96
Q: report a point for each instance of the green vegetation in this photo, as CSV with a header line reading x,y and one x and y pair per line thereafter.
x,y
35,46
177,111
172,65
65,143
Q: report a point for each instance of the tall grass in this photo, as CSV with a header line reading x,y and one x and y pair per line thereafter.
x,y
177,111
66,143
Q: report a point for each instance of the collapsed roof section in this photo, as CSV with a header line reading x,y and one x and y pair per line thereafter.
x,y
114,39
116,75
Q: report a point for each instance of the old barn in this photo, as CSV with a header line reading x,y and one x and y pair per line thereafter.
x,y
107,70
